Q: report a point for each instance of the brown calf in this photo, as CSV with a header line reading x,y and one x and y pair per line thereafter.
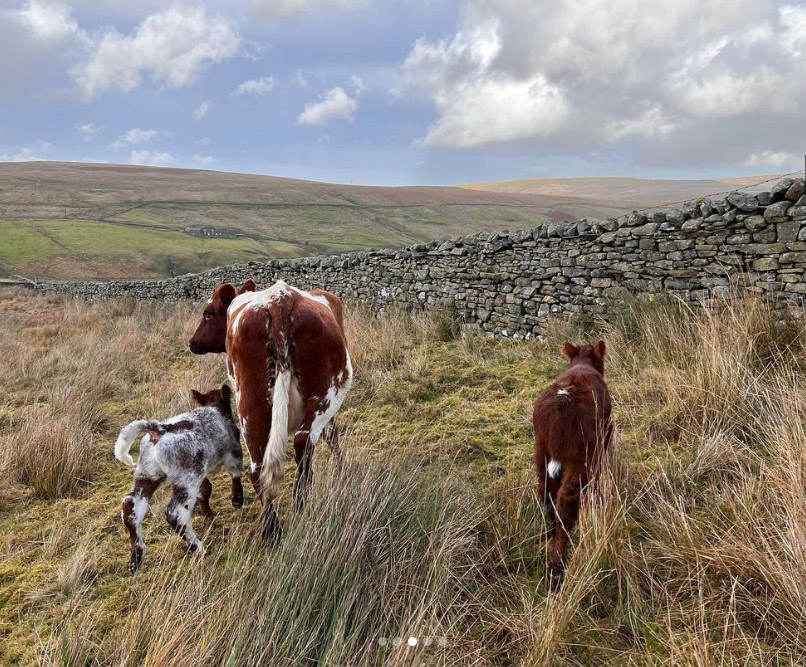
x,y
288,361
572,431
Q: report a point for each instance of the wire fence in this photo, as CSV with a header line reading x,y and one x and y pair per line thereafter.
x,y
724,192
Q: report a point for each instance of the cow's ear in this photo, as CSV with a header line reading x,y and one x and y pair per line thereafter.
x,y
599,349
225,293
249,285
200,398
225,393
570,350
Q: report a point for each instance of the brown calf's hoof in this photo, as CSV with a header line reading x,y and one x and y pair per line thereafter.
x,y
237,501
554,575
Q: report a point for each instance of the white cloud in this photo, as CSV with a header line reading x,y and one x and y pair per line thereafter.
x,y
151,158
270,8
132,137
299,79
478,105
334,104
37,150
48,21
202,110
664,78
261,86
358,84
775,159
652,124
87,130
203,159
172,46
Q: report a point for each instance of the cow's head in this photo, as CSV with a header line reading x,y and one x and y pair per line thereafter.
x,y
211,334
591,355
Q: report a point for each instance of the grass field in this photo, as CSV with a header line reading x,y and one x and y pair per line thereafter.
x,y
80,220
694,553
62,249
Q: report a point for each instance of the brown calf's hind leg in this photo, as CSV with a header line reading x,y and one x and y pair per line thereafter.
x,y
567,509
134,508
205,491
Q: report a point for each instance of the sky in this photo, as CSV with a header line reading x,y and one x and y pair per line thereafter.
x,y
409,91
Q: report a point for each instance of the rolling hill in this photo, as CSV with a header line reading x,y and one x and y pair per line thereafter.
x,y
618,191
80,220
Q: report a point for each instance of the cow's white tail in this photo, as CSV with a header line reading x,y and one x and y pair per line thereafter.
x,y
271,474
126,437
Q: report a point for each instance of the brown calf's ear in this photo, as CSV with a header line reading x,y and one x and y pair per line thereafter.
x,y
249,285
570,350
200,398
599,349
225,393
225,293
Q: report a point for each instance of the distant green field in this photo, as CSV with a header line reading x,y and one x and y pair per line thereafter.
x,y
327,228
90,249
81,220
150,241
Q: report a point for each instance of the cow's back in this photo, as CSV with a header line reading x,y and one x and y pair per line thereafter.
x,y
335,305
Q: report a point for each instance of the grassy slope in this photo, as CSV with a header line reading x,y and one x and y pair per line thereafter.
x,y
89,249
698,556
84,208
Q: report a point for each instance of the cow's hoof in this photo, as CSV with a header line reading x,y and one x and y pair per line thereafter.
x,y
272,530
237,501
135,560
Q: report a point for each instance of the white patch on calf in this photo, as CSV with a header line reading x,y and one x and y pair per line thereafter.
x,y
554,469
562,392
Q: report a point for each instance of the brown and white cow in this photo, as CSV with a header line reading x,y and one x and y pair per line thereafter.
x,y
288,361
572,426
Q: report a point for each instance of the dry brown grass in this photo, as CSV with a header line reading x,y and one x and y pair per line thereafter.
x,y
694,553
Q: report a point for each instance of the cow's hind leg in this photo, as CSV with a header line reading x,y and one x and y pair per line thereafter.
x,y
205,492
255,426
316,417
303,454
331,437
179,513
134,509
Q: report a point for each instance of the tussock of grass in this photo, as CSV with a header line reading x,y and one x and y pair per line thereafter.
x,y
693,553
384,550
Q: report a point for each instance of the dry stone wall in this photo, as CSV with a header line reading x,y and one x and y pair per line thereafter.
x,y
508,283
